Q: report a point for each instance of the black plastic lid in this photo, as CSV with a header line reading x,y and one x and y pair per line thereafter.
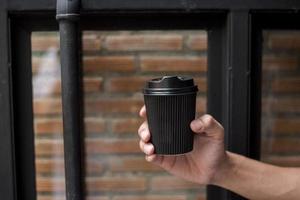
x,y
170,85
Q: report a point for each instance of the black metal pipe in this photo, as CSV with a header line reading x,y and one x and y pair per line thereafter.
x,y
68,18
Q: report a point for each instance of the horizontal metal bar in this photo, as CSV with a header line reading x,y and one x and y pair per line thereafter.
x,y
151,21
189,4
186,5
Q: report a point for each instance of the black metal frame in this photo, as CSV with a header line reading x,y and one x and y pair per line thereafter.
x,y
234,73
67,14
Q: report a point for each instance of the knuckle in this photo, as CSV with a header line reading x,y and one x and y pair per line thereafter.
x,y
222,129
142,127
209,120
219,137
145,136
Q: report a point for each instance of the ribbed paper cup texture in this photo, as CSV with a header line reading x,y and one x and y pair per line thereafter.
x,y
169,119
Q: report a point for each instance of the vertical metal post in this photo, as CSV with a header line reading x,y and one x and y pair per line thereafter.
x,y
236,96
23,110
217,90
7,168
68,18
238,80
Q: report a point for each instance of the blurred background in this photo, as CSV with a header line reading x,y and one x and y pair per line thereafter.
x,y
116,66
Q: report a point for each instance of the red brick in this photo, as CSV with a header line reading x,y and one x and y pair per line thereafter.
x,y
56,166
286,126
171,183
150,197
54,126
53,106
91,42
289,105
279,63
286,85
107,146
124,125
92,84
286,161
53,166
287,40
144,42
94,166
44,42
94,125
127,84
197,42
47,106
114,105
116,184
50,197
173,64
49,147
89,85
201,83
47,184
131,164
98,197
105,184
96,64
45,126
281,145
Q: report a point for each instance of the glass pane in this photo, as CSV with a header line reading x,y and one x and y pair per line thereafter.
x,y
116,66
280,98
47,116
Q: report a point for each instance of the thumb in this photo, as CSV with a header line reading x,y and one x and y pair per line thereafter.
x,y
209,126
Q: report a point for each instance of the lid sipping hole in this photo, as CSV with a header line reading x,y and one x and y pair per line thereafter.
x,y
157,79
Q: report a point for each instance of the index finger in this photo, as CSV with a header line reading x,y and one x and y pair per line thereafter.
x,y
143,111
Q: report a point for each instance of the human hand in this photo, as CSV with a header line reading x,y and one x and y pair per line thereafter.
x,y
200,165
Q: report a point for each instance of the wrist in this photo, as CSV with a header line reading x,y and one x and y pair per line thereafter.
x,y
226,169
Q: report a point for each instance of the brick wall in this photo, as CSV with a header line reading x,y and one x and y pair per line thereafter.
x,y
116,66
281,100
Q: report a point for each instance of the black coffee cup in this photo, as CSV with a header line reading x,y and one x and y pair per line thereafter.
x,y
171,103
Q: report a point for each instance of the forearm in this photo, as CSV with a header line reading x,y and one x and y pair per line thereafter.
x,y
256,180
